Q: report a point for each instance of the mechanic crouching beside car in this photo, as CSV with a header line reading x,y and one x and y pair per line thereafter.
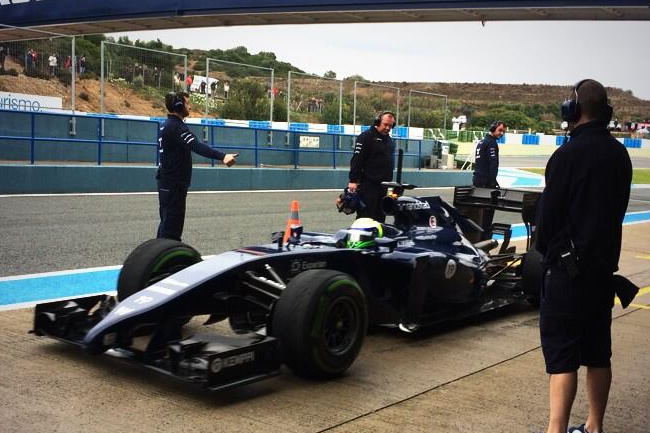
x,y
175,145
579,234
372,164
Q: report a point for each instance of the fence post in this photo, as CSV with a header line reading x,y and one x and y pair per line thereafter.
x,y
32,146
211,140
99,140
295,150
256,148
157,144
333,151
419,155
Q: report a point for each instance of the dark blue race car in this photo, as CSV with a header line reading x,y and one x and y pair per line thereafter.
x,y
306,302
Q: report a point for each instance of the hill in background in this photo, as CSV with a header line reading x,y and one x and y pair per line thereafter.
x,y
523,106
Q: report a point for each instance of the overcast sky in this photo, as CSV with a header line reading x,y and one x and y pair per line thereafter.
x,y
615,53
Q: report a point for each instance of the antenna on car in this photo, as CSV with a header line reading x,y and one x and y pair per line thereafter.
x,y
398,186
400,157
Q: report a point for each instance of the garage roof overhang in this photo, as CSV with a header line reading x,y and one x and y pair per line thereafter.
x,y
29,19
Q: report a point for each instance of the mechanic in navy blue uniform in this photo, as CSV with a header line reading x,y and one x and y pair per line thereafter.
x,y
372,164
176,143
579,234
486,163
486,168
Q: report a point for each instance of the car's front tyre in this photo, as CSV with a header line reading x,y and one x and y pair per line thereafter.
x,y
320,321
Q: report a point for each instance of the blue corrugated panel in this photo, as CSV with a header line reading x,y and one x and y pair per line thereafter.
x,y
364,128
633,143
335,129
530,139
559,140
502,140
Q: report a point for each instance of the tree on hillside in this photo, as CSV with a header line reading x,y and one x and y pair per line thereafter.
x,y
249,100
330,74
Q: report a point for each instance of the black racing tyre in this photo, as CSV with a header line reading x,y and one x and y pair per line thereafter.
x,y
153,261
320,321
532,275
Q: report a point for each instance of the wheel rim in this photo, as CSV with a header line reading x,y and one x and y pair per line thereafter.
x,y
341,326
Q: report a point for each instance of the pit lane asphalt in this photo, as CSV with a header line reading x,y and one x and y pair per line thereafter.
x,y
483,374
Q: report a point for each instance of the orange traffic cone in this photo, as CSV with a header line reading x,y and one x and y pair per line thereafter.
x,y
294,219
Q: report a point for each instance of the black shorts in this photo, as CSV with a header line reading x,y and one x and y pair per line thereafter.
x,y
575,321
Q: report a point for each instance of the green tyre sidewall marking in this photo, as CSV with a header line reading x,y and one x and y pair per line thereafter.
x,y
178,253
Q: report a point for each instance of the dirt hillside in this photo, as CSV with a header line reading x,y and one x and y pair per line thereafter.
x,y
123,100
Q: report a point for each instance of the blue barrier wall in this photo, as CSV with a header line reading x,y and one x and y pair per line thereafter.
x,y
44,179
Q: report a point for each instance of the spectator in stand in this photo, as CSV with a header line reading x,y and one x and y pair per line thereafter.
x,y
188,82
82,65
29,59
53,62
68,64
226,89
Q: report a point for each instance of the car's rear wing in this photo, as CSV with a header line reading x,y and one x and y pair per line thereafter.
x,y
473,201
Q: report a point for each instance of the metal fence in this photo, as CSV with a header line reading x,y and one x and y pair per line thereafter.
x,y
47,137
49,58
150,73
236,90
426,110
369,96
314,99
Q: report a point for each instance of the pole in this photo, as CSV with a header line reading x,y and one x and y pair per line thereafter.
x,y
408,122
101,82
272,97
185,75
354,110
445,122
207,84
397,111
288,100
74,72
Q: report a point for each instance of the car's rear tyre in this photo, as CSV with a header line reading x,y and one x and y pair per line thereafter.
x,y
532,275
320,321
153,261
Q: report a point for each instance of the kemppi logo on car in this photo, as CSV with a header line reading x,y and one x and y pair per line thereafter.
x,y
219,364
304,265
413,205
15,2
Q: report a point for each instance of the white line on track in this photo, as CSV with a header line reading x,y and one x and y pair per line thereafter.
x,y
266,191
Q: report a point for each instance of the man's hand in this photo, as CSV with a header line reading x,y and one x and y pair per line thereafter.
x,y
230,159
352,187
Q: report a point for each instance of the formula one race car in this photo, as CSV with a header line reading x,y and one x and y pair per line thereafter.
x,y
306,302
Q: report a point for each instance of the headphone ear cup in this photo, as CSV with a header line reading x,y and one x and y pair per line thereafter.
x,y
570,110
178,104
607,115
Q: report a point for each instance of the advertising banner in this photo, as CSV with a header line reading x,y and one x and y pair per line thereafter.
x,y
24,102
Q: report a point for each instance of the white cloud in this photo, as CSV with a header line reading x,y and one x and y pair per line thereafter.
x,y
614,53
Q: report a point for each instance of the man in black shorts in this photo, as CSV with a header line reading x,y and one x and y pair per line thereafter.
x,y
579,233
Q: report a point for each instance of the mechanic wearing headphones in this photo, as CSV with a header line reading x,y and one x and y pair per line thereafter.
x,y
487,157
175,144
372,164
579,231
